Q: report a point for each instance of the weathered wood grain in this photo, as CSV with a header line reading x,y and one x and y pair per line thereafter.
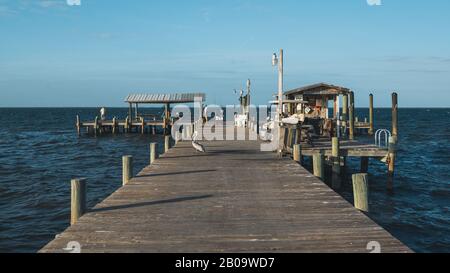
x,y
233,198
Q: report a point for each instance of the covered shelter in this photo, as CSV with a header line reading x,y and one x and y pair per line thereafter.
x,y
313,102
135,100
316,97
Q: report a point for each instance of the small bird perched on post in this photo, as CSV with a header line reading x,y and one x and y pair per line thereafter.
x,y
197,146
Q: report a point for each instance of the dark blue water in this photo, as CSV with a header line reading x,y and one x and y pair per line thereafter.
x,y
40,152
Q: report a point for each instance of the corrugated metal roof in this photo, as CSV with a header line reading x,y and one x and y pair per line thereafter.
x,y
164,98
319,89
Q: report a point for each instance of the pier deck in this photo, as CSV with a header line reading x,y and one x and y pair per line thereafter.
x,y
234,198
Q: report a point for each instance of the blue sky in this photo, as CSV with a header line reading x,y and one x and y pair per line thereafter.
x,y
52,54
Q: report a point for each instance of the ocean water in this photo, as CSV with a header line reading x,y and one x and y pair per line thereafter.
x,y
40,152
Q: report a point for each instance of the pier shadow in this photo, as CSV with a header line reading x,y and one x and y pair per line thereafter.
x,y
175,173
152,203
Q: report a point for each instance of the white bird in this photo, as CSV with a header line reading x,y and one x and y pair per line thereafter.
x,y
197,146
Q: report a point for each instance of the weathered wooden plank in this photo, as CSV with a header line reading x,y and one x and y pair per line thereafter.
x,y
234,198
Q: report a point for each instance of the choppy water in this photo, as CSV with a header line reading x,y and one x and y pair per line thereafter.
x,y
40,152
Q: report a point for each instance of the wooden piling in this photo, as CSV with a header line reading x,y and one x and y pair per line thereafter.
x,y
78,124
395,116
153,152
166,143
364,164
371,126
127,169
78,199
95,126
345,111
336,167
297,153
361,191
127,124
142,125
391,163
319,165
351,117
114,126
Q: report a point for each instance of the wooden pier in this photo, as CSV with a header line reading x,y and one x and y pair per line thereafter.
x,y
137,120
233,198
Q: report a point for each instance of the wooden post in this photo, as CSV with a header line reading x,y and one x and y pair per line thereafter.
x,y
336,168
78,199
166,143
153,152
371,128
361,191
280,104
142,125
114,125
364,164
344,107
391,163
95,126
395,117
130,111
297,152
127,169
78,125
351,118
318,165
125,128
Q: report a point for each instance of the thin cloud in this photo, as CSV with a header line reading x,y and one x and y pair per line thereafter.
x,y
4,11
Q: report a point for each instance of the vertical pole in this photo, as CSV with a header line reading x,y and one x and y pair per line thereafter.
x,y
127,169
136,111
280,104
335,108
391,163
345,110
318,165
361,191
166,143
336,168
395,116
78,125
351,116
371,128
364,164
153,152
114,126
298,153
130,111
78,199
338,116
95,126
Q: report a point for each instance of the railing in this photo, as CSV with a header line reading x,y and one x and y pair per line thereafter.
x,y
378,137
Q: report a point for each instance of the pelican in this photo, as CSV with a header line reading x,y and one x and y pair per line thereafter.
x,y
197,146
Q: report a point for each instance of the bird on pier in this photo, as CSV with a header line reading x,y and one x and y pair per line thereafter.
x,y
197,146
